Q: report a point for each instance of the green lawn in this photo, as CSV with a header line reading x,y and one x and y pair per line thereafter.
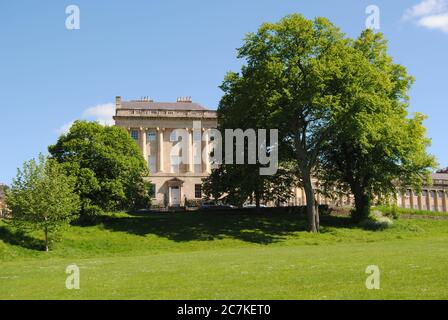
x,y
229,256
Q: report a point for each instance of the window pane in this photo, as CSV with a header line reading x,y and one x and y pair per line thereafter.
x,y
152,136
134,134
152,163
173,136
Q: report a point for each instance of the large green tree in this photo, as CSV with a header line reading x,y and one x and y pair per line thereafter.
x,y
108,166
290,82
379,148
42,198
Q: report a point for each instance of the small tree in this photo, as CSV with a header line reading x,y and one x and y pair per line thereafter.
x,y
42,198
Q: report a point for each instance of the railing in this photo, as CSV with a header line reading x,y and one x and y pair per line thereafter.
x,y
165,113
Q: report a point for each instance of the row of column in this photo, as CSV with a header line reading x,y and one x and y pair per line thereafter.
x,y
160,149
440,203
437,203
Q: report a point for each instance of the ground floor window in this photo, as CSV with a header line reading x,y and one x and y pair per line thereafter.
x,y
198,191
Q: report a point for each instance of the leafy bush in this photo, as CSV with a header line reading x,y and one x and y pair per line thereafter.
x,y
376,221
157,205
395,211
193,203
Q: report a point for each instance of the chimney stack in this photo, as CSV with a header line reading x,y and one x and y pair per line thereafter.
x,y
117,102
184,99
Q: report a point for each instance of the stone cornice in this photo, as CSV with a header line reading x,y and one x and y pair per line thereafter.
x,y
157,114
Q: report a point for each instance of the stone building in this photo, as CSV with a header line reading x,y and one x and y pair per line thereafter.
x,y
152,125
432,198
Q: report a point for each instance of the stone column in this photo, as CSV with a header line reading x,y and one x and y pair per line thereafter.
x,y
160,150
411,198
403,199
436,200
419,200
169,196
207,164
190,150
143,143
428,200
444,201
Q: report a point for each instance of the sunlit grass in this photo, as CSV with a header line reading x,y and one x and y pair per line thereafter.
x,y
229,256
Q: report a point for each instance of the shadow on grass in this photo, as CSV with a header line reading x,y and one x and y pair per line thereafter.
x,y
18,238
188,226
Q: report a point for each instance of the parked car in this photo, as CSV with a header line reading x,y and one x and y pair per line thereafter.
x,y
213,205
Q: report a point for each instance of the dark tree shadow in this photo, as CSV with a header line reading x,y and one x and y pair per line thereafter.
x,y
263,228
18,238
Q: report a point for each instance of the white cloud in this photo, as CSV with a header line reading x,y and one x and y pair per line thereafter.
x,y
431,14
101,113
435,22
64,128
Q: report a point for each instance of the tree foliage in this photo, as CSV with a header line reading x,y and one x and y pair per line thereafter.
x,y
340,106
107,165
238,184
42,198
290,82
379,148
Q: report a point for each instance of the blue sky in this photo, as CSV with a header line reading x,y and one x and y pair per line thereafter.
x,y
50,76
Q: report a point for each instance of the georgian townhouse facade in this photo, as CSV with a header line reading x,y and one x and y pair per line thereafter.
x,y
152,125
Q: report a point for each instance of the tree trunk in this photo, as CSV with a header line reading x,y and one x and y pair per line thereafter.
x,y
46,239
362,203
257,199
310,204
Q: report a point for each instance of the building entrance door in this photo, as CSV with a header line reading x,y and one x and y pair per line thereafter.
x,y
175,196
